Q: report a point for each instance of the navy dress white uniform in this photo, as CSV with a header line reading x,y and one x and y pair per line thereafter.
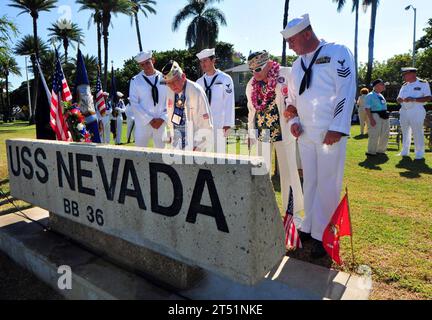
x,y
147,96
130,120
120,108
284,143
219,89
106,121
189,119
412,115
324,104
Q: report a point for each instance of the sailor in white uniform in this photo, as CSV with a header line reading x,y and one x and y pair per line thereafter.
x,y
412,96
130,121
189,118
266,117
120,108
147,96
106,120
219,89
321,99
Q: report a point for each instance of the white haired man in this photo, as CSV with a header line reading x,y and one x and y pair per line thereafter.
x,y
189,117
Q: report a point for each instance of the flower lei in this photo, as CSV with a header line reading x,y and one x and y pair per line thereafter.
x,y
263,94
76,123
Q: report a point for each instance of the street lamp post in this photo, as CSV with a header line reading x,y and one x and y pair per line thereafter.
x,y
414,39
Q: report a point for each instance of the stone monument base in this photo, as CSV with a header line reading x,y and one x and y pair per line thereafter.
x,y
159,268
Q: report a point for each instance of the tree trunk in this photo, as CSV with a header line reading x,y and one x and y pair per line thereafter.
x,y
138,31
99,43
356,41
8,112
371,42
35,72
66,46
106,23
284,44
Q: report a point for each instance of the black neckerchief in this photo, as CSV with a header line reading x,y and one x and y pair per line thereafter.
x,y
208,88
307,78
155,92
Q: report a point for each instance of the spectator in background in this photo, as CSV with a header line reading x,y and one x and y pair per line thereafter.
x,y
376,110
361,110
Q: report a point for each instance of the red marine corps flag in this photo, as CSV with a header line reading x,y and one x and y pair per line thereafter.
x,y
339,226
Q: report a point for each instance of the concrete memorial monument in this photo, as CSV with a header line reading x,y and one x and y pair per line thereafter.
x,y
162,212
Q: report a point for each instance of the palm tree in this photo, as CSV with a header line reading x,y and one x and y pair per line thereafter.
x,y
33,7
67,32
355,8
203,30
96,18
145,6
107,8
285,21
8,30
374,4
8,65
26,47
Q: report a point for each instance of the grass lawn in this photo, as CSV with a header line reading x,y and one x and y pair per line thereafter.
x,y
391,208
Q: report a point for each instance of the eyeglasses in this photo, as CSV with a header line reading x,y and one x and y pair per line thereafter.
x,y
259,69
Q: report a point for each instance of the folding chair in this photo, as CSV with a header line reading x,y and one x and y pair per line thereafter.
x,y
395,135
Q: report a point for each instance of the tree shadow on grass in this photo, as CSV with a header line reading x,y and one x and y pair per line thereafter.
x,y
3,182
414,168
373,162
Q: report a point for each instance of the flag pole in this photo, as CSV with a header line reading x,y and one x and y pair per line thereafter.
x,y
349,217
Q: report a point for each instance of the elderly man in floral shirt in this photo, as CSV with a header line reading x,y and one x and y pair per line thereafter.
x,y
266,93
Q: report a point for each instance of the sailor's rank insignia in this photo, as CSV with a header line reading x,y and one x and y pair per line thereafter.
x,y
322,60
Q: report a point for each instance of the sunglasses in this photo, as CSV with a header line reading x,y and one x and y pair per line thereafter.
x,y
259,69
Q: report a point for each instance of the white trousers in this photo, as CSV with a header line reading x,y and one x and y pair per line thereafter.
x,y
144,133
363,119
287,164
378,135
106,134
219,141
119,129
323,169
130,129
412,121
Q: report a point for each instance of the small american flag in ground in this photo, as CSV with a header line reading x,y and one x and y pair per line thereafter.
x,y
60,89
292,239
100,99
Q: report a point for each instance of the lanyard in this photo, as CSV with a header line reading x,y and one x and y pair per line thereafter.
x,y
155,92
307,78
208,88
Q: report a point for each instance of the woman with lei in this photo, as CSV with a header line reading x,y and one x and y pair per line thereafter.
x,y
266,93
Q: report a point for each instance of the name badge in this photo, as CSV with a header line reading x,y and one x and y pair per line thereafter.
x,y
417,89
176,119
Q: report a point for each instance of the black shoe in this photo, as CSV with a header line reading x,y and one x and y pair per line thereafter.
x,y
304,236
371,154
381,153
318,250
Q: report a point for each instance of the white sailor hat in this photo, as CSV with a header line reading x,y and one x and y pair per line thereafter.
x,y
206,53
296,25
119,94
143,56
408,69
171,70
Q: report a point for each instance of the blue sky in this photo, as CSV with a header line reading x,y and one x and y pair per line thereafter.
x,y
252,25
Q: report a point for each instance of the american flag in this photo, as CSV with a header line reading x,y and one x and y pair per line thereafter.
x,y
100,99
60,89
292,239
